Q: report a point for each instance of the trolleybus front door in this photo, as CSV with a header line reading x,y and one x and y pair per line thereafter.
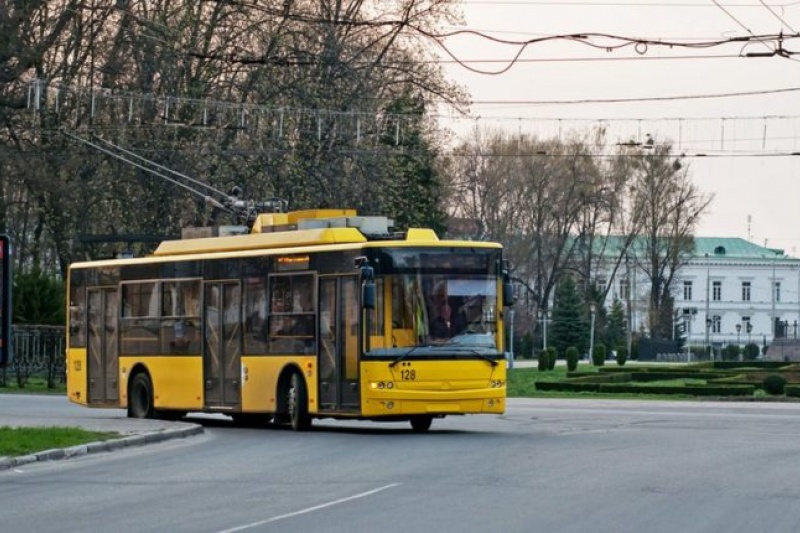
x,y
338,337
221,345
102,345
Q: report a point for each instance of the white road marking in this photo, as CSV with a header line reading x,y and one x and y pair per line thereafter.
x,y
310,509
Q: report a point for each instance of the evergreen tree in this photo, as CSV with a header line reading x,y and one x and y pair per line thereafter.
x,y
413,188
570,327
615,327
38,299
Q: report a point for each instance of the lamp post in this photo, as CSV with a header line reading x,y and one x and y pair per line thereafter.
x,y
544,320
708,307
592,309
511,339
738,345
774,330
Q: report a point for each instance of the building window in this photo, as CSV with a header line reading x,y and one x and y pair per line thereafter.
x,y
716,291
624,289
601,285
777,291
745,291
687,290
716,324
747,327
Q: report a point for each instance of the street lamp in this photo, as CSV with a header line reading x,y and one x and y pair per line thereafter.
x,y
738,345
592,309
708,340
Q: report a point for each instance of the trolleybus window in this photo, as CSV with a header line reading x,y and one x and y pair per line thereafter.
x,y
255,315
77,315
180,312
292,314
140,317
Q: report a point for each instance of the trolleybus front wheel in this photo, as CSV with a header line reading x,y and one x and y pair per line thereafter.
x,y
140,397
421,424
298,404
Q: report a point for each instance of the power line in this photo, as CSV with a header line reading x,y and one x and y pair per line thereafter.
x,y
777,16
778,50
612,4
638,99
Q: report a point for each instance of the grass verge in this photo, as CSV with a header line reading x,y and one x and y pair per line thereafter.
x,y
32,386
522,384
24,441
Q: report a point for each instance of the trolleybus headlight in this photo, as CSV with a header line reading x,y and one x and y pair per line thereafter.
x,y
377,385
390,385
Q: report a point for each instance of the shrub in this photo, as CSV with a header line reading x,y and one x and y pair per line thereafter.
x,y
774,384
572,358
751,352
599,355
552,353
543,362
731,353
622,354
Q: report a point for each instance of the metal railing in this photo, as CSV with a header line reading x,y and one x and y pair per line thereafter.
x,y
38,351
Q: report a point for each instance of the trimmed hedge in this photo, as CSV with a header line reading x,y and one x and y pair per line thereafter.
x,y
792,391
619,388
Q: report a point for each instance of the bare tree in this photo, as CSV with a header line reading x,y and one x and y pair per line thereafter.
x,y
174,82
670,206
530,195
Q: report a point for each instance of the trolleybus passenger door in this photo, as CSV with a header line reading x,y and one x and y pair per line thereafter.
x,y
222,344
338,338
103,367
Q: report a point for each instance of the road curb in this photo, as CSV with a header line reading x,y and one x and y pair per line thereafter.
x,y
101,446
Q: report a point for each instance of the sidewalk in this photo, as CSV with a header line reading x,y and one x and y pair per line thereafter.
x,y
46,411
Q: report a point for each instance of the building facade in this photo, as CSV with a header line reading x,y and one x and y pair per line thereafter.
x,y
730,291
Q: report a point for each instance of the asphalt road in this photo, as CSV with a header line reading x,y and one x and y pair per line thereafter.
x,y
547,465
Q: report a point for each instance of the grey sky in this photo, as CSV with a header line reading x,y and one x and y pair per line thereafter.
x,y
741,136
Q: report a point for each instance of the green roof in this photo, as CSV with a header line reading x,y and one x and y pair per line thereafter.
x,y
714,247
733,247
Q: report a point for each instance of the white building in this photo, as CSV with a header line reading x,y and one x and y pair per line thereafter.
x,y
730,292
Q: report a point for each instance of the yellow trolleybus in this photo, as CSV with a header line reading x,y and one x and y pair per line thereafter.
x,y
312,314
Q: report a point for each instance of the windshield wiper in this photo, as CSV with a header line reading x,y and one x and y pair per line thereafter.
x,y
479,355
405,355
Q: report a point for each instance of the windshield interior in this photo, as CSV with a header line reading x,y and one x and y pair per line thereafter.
x,y
444,309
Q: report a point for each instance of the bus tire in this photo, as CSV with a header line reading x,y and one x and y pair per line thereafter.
x,y
140,397
421,424
251,420
170,414
297,402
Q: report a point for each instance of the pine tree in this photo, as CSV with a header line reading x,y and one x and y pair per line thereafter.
x,y
615,328
38,298
570,327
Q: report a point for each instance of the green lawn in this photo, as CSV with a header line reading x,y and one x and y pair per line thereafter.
x,y
23,441
33,385
522,384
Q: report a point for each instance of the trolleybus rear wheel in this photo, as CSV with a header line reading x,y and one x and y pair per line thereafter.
x,y
140,397
421,424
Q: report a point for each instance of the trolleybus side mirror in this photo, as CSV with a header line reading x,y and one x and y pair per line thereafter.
x,y
368,296
368,293
508,293
508,287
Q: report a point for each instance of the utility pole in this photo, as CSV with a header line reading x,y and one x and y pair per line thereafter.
x,y
708,309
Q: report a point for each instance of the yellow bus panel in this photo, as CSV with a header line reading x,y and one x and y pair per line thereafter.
x,y
177,381
432,387
76,376
261,381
